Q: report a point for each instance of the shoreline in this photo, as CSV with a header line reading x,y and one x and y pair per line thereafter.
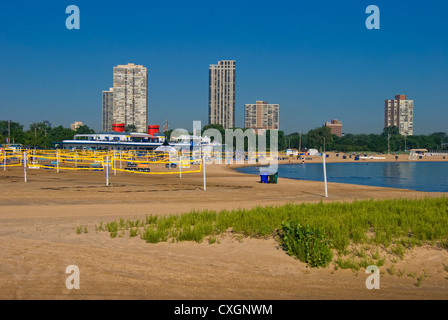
x,y
236,167
334,159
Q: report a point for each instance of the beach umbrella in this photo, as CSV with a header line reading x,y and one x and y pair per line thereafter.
x,y
165,147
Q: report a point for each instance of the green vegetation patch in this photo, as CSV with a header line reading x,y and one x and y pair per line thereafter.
x,y
309,245
308,231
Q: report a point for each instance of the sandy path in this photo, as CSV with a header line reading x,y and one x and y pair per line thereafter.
x,y
38,241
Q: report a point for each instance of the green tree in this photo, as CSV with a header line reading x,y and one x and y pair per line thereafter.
x,y
316,137
12,129
392,130
439,139
280,135
37,135
58,134
84,130
168,134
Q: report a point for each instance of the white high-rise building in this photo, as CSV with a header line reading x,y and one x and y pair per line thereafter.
x,y
400,113
221,107
130,94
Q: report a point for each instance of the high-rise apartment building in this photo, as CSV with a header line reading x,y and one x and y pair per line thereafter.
x,y
131,96
400,113
75,125
221,106
261,115
335,127
108,109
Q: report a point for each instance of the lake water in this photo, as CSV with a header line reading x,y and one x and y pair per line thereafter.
x,y
420,176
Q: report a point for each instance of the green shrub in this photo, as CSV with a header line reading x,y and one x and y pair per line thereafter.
x,y
309,245
151,235
133,232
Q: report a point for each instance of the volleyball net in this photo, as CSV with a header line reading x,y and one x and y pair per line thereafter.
x,y
131,161
65,162
10,159
161,165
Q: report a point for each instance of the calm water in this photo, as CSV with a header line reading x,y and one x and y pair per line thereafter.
x,y
420,176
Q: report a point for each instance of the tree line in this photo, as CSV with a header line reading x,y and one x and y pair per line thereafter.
x,y
390,140
39,134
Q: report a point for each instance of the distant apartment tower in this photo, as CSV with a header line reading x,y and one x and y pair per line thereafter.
x,y
221,106
130,96
74,126
166,126
108,109
261,115
335,127
400,113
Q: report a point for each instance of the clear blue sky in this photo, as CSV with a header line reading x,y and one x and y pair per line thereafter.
x,y
314,58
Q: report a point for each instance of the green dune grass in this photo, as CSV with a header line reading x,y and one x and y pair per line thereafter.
x,y
395,224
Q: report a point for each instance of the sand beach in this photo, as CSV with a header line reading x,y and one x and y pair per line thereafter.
x,y
38,220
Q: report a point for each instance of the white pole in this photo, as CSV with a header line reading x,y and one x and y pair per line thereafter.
x,y
107,170
325,176
4,160
203,169
57,160
24,165
76,159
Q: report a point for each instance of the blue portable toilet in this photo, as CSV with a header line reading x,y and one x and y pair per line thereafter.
x,y
264,177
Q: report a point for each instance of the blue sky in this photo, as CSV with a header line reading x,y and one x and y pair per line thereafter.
x,y
316,59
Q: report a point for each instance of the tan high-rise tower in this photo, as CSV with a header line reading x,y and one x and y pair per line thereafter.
x,y
400,113
221,106
131,96
261,115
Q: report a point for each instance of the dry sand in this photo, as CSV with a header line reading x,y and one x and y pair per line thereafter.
x,y
38,241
